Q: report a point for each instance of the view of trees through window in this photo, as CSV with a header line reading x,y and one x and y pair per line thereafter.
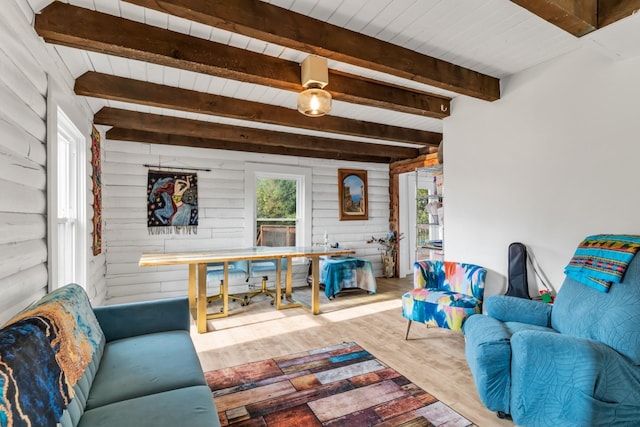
x,y
276,216
422,214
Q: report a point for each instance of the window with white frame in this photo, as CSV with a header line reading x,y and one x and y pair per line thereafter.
x,y
277,211
279,205
70,197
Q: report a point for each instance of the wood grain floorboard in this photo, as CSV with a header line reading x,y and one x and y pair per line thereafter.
x,y
432,358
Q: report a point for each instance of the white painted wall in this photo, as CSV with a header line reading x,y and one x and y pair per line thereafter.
x,y
553,161
26,68
221,202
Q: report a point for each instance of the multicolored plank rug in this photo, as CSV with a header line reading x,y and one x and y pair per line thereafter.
x,y
341,385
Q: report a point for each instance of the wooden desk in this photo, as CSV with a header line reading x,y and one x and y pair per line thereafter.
x,y
197,262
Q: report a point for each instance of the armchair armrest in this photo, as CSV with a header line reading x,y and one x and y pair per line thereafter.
x,y
140,318
548,369
512,309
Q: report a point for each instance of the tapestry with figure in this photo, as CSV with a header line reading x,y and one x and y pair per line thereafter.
x,y
172,202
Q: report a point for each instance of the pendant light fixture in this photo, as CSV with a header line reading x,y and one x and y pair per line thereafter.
x,y
314,101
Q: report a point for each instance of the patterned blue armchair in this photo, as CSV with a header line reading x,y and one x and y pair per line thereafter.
x,y
574,363
444,294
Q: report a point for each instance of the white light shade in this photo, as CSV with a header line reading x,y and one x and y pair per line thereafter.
x,y
314,102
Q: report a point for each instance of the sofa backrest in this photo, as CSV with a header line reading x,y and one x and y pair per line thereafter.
x,y
458,277
612,318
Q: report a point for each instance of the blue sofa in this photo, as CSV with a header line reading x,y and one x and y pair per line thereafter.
x,y
128,365
573,363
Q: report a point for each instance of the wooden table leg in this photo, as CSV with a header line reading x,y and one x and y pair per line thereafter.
x,y
315,285
202,299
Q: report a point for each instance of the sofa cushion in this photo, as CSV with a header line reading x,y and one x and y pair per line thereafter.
x,y
189,406
142,365
446,309
441,297
610,318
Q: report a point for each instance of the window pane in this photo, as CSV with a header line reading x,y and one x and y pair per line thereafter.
x,y
63,178
276,202
66,248
70,203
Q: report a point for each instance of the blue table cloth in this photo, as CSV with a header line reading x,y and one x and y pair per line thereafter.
x,y
346,273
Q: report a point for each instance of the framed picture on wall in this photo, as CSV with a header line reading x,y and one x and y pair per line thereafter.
x,y
352,194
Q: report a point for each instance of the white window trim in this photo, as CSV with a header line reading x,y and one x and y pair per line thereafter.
x,y
304,203
55,103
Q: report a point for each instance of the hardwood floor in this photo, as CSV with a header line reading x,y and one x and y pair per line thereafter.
x,y
432,358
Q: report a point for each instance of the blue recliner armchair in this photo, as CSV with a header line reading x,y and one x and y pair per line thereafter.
x,y
574,363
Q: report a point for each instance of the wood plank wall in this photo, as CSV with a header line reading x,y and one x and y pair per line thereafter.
x,y
23,175
114,276
221,212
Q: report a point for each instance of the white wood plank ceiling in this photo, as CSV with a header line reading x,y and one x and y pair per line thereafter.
x,y
493,37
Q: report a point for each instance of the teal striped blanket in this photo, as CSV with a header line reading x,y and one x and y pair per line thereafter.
x,y
602,259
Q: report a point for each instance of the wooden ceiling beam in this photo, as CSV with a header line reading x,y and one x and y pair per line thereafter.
x,y
283,27
133,135
580,17
410,165
194,128
115,88
610,11
58,23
